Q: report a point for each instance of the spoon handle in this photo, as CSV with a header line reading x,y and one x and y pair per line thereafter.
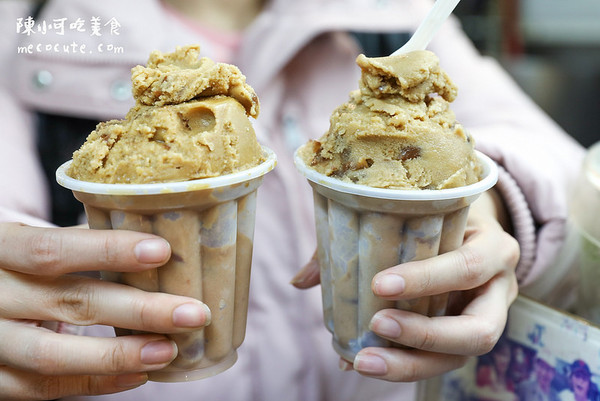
x,y
440,11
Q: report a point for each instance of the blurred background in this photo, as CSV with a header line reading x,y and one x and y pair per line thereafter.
x,y
551,48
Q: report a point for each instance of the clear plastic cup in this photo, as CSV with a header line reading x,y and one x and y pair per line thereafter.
x,y
362,230
209,224
584,211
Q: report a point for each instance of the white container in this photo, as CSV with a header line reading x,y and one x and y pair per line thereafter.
x,y
209,224
362,230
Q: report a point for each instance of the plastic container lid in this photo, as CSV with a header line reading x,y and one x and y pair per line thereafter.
x,y
169,187
489,179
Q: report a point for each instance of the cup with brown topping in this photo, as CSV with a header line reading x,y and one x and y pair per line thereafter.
x,y
184,164
363,230
209,224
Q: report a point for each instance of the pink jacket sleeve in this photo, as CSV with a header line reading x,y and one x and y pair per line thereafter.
x,y
23,196
539,160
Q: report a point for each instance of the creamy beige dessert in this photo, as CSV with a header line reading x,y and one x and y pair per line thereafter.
x,y
397,131
190,121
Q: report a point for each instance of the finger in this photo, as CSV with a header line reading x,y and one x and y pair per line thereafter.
x,y
16,385
45,352
403,365
344,365
84,301
480,258
475,332
309,275
55,251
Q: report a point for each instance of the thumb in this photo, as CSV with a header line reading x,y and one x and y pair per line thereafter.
x,y
308,276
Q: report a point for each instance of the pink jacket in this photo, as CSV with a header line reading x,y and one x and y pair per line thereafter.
x,y
302,67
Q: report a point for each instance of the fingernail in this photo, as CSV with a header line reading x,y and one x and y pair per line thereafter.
x,y
131,380
307,272
385,326
344,365
389,284
152,251
157,352
298,279
191,315
370,365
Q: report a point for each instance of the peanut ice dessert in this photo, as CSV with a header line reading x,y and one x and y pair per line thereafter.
x,y
190,121
392,180
185,165
397,131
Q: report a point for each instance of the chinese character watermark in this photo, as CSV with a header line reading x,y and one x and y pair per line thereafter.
x,y
29,26
94,26
114,26
26,26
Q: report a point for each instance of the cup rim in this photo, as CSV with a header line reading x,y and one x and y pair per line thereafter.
x,y
489,179
167,187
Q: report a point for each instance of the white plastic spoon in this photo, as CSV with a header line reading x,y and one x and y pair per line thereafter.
x,y
440,11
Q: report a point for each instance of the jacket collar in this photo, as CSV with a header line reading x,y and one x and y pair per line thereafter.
x,y
282,29
286,26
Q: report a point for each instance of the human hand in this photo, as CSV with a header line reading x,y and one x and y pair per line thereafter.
x,y
481,279
36,363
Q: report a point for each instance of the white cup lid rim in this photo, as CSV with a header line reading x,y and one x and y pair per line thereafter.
x,y
168,187
489,179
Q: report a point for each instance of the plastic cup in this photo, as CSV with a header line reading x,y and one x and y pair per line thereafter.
x,y
209,224
362,230
584,210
